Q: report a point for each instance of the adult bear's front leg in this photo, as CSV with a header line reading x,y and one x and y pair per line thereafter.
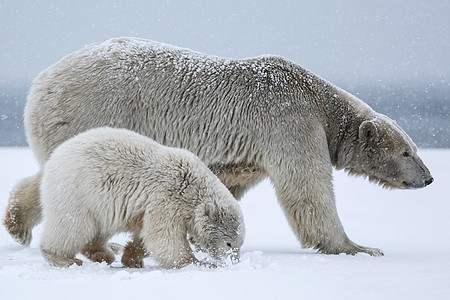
x,y
304,189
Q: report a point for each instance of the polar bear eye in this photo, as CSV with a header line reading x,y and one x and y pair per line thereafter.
x,y
405,154
229,244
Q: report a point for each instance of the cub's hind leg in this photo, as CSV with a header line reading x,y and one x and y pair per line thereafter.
x,y
59,244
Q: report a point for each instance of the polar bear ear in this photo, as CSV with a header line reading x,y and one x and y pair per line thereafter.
x,y
210,209
367,131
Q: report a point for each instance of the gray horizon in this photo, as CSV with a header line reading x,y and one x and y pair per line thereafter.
x,y
375,50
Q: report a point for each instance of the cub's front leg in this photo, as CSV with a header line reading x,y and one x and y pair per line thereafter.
x,y
97,250
165,239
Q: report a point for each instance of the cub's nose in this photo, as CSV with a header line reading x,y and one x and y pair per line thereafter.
x,y
429,181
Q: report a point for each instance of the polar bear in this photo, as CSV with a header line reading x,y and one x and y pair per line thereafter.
x,y
106,180
246,119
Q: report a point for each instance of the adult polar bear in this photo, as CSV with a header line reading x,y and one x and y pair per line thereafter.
x,y
246,119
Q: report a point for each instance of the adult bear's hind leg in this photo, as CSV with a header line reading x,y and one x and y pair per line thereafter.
x,y
24,209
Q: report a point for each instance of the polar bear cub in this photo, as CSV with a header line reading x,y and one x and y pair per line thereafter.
x,y
106,180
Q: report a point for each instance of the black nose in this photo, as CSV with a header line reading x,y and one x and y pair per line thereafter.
x,y
429,181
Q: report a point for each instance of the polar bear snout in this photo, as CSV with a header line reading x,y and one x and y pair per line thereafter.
x,y
418,184
422,176
234,253
225,252
235,258
429,181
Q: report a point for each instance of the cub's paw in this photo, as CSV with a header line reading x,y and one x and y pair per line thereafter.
x,y
133,255
116,248
77,262
100,255
132,262
58,260
206,264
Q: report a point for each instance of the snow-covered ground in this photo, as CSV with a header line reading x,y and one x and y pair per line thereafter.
x,y
412,227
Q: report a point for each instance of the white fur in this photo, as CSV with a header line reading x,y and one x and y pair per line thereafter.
x,y
108,180
246,120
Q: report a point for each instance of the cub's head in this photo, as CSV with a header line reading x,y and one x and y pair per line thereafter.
x,y
387,155
219,229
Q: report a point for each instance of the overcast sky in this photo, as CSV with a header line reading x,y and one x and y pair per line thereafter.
x,y
346,42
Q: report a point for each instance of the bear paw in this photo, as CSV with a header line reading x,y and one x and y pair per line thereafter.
x,y
132,262
17,229
372,251
351,249
77,262
206,264
60,260
116,248
100,255
133,255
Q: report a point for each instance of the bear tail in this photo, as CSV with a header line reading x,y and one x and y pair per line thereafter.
x,y
24,209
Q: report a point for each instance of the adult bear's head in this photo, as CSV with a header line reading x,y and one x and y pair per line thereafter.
x,y
387,155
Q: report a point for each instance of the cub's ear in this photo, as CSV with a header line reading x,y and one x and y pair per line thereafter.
x,y
367,131
210,209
